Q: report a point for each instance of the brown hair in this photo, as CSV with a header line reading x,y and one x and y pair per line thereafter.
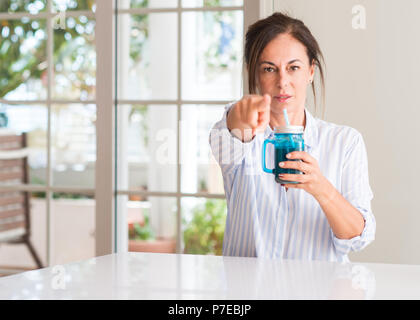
x,y
263,31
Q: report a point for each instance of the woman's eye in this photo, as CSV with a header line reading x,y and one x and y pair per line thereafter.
x,y
294,68
268,69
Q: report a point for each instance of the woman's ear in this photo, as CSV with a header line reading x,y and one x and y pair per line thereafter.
x,y
312,70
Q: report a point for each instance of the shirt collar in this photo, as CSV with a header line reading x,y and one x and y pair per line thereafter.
x,y
310,132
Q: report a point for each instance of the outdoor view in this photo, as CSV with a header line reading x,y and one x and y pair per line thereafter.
x,y
147,70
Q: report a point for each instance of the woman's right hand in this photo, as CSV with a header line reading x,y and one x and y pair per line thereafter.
x,y
249,115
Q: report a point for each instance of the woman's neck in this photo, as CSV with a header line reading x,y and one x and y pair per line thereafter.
x,y
295,119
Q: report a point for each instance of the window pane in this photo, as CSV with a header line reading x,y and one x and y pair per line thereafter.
x,y
200,171
73,227
127,4
18,256
73,140
212,3
71,5
17,119
212,55
146,147
203,224
23,57
147,64
151,223
31,6
75,60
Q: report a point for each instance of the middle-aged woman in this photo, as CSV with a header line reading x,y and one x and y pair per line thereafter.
x,y
327,213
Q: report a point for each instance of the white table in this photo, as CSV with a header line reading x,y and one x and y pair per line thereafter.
x,y
180,276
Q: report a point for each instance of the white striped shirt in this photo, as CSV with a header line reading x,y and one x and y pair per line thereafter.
x,y
263,220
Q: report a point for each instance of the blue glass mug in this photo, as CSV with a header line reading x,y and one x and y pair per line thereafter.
x,y
286,139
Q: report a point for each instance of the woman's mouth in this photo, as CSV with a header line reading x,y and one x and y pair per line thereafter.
x,y
282,98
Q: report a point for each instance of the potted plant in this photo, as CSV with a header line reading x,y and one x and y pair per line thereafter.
x,y
143,239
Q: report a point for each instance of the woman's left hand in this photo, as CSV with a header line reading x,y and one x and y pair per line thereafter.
x,y
312,181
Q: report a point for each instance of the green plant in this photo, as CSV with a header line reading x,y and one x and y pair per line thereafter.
x,y
204,233
18,65
142,231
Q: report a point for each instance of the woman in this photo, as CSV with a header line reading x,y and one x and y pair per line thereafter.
x,y
328,213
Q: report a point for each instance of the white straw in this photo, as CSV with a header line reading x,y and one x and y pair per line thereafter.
x,y
286,117
288,124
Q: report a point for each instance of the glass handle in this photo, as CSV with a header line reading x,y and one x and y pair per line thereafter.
x,y
263,156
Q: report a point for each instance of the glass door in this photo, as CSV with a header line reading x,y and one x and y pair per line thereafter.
x,y
178,64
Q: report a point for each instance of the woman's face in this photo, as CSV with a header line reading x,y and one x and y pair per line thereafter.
x,y
284,70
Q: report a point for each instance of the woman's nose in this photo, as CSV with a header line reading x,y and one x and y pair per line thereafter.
x,y
282,79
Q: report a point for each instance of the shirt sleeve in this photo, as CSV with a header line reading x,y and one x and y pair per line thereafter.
x,y
356,189
227,149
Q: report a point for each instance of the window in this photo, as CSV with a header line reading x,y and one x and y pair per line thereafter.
x,y
178,64
47,90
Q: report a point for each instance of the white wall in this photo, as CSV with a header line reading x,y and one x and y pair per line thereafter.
x,y
372,82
